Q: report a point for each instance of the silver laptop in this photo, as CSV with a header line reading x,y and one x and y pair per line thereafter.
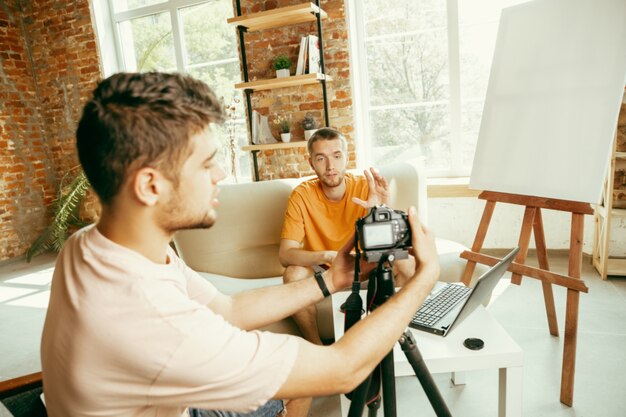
x,y
450,304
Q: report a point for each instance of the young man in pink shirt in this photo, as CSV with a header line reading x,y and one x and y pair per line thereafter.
x,y
132,331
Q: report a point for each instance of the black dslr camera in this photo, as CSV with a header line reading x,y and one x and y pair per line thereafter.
x,y
384,231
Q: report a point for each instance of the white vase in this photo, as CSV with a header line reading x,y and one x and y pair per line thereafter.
x,y
286,137
281,73
309,133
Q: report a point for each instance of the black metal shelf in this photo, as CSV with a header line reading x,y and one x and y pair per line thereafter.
x,y
282,16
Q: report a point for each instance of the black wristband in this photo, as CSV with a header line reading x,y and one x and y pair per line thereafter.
x,y
320,281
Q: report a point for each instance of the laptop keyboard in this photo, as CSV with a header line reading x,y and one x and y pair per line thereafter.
x,y
438,306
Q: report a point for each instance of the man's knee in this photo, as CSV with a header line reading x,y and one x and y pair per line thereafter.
x,y
296,273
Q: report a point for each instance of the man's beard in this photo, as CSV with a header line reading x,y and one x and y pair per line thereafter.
x,y
174,225
337,181
174,217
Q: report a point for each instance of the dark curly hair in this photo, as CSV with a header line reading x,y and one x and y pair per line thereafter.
x,y
136,120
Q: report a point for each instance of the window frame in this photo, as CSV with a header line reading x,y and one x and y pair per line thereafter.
x,y
111,48
171,6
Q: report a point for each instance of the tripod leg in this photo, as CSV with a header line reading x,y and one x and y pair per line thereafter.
x,y
389,385
357,402
369,390
413,355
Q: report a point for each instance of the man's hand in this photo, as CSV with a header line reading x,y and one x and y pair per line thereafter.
x,y
424,249
290,253
342,268
378,190
328,256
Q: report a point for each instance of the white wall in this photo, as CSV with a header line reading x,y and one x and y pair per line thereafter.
x,y
458,218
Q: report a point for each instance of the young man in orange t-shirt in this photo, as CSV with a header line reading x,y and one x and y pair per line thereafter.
x,y
321,214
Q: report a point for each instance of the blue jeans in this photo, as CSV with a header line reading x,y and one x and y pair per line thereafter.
x,y
271,408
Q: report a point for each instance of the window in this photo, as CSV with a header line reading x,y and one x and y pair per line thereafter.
x,y
423,67
189,36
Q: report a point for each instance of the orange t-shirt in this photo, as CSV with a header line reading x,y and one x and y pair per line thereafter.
x,y
317,222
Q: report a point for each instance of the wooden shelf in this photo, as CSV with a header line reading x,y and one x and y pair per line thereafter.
x,y
616,266
279,145
292,81
284,16
606,212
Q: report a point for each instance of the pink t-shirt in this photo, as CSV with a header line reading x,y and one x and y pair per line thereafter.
x,y
124,336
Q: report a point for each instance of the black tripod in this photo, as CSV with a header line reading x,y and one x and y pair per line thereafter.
x,y
380,289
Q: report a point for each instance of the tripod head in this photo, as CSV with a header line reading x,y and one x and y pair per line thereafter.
x,y
381,285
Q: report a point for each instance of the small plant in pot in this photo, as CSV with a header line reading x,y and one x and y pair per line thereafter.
x,y
284,126
281,65
309,125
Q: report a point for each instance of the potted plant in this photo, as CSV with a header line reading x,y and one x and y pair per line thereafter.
x,y
281,65
284,126
66,214
309,125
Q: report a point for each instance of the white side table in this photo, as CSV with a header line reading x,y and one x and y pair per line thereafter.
x,y
447,354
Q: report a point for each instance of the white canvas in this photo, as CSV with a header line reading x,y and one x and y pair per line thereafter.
x,y
553,99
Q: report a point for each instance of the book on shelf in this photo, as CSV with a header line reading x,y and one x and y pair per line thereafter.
x,y
302,56
309,55
314,54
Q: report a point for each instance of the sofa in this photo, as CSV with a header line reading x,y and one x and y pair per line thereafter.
x,y
240,251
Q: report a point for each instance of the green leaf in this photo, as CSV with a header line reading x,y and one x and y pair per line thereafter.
x,y
66,215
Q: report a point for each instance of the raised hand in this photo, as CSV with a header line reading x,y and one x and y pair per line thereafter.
x,y
378,190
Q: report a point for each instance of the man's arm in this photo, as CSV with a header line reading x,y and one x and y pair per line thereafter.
x,y
345,364
290,253
256,308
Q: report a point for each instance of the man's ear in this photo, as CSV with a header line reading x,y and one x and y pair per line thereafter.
x,y
311,163
148,186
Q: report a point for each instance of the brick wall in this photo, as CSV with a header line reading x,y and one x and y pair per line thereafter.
x,y
263,46
48,67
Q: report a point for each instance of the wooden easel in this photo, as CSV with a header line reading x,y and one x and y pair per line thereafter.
x,y
533,223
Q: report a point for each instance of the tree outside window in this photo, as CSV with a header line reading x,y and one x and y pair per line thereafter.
x,y
425,70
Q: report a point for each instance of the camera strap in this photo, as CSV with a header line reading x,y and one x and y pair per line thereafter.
x,y
353,306
357,258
